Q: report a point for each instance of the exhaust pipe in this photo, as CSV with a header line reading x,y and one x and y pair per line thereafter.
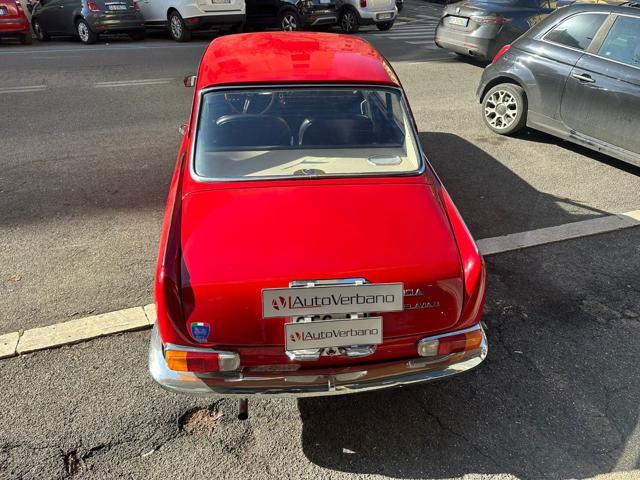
x,y
243,409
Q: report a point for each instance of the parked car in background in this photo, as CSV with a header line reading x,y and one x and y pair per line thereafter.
x,y
576,75
354,13
14,22
87,19
291,15
479,28
566,3
182,17
308,134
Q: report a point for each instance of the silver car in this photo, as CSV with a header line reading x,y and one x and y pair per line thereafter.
x,y
354,13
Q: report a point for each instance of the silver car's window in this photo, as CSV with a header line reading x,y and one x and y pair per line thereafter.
x,y
623,42
576,31
314,131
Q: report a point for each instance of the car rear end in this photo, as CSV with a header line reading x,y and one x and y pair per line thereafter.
x,y
114,16
376,11
213,14
473,28
13,21
284,269
317,13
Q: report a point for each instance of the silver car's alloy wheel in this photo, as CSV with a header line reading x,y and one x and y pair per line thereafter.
x,y
83,31
501,109
348,21
176,27
289,23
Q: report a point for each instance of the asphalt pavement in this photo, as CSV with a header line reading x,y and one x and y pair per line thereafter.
x,y
88,142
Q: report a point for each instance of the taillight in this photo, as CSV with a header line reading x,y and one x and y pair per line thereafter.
x,y
463,341
93,6
201,360
136,7
501,52
489,19
472,265
363,3
19,7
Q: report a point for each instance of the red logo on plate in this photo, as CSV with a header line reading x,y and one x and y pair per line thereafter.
x,y
295,337
279,303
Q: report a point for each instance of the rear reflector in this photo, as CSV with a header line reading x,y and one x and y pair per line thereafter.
x,y
501,52
363,3
466,340
201,360
192,20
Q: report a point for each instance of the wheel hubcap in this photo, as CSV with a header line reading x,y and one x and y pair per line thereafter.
x,y
501,109
176,27
83,32
289,23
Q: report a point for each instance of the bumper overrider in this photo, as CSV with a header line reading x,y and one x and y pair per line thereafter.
x,y
320,381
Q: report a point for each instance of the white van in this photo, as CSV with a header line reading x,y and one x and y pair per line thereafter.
x,y
182,17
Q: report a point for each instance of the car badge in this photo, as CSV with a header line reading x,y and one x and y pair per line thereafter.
x,y
200,331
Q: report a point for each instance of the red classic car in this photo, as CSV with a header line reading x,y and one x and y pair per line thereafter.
x,y
14,22
308,248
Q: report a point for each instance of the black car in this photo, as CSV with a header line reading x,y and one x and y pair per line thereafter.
x,y
575,75
291,15
86,19
479,28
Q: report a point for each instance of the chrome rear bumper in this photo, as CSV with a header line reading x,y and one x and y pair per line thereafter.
x,y
312,382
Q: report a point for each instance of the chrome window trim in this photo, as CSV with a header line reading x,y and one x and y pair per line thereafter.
x,y
196,123
546,32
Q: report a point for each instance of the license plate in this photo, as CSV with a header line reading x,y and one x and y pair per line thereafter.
x,y
327,299
117,7
458,21
217,2
385,16
333,333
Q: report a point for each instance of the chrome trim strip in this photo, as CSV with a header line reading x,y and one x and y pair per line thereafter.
x,y
196,122
314,382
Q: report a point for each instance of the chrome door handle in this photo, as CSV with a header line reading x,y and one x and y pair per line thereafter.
x,y
583,77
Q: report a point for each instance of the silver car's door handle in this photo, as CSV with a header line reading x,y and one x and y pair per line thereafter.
x,y
583,77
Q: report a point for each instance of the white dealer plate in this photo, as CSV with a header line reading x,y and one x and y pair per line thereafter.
x,y
333,333
459,21
327,299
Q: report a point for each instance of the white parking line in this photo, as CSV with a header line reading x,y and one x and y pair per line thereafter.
x,y
133,83
23,89
137,318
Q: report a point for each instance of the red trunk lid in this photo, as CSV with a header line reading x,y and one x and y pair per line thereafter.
x,y
238,241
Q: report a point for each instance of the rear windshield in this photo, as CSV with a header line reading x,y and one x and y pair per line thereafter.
x,y
319,131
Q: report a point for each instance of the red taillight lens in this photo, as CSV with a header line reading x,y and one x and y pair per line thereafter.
x,y
93,6
363,3
489,19
136,7
201,361
501,52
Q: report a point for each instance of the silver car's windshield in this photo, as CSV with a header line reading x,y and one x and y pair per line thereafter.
x,y
310,131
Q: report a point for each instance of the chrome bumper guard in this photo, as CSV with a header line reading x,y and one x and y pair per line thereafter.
x,y
312,382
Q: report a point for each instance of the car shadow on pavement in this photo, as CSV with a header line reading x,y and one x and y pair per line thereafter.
x,y
537,136
491,198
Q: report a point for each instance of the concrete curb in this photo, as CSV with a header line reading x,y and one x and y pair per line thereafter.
x,y
139,318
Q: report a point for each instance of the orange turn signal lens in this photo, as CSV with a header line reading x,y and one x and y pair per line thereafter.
x,y
447,344
176,360
202,361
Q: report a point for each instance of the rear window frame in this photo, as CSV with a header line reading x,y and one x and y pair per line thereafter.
x,y
422,163
543,36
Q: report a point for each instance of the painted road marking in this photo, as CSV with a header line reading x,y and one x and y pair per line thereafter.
x,y
542,236
133,83
137,318
23,89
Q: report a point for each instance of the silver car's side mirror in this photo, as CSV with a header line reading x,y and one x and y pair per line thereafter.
x,y
190,81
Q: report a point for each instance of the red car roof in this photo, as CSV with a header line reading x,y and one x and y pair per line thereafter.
x,y
292,57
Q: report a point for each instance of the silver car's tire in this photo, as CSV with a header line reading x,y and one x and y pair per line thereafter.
x,y
178,29
504,108
349,21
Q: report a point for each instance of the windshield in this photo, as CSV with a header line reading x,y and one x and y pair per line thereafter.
x,y
315,131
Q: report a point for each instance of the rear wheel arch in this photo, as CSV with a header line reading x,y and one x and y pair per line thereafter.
x,y
498,81
170,11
